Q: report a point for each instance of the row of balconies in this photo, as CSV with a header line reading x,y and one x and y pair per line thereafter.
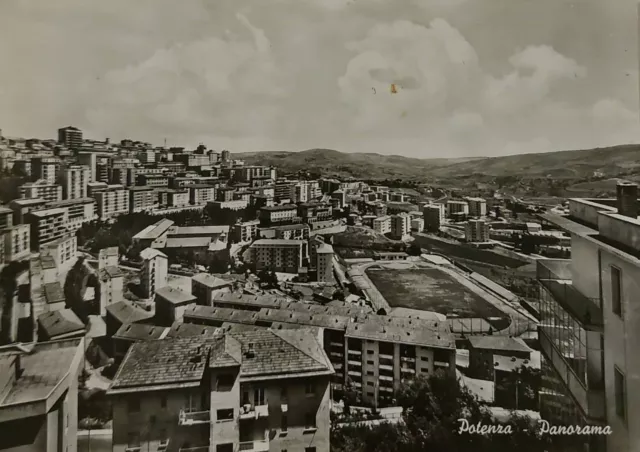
x,y
187,417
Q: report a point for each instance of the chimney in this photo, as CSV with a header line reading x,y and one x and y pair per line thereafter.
x,y
627,199
250,353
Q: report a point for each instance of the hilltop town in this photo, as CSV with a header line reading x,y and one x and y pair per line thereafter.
x,y
184,299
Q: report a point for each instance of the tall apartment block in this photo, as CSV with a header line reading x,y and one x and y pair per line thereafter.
x,y
80,210
400,226
112,201
257,390
324,263
90,160
74,181
457,208
589,321
70,137
39,395
16,243
142,198
45,168
477,207
41,189
277,255
433,215
153,274
47,225
476,231
382,225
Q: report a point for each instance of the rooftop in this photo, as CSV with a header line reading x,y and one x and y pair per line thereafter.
x,y
140,332
283,242
179,329
60,323
53,292
151,253
45,367
211,281
28,202
279,208
110,272
503,343
324,248
372,330
175,296
154,231
197,230
126,312
181,362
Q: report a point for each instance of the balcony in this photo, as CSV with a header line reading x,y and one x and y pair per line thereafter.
x,y
591,401
254,411
386,367
355,352
355,363
188,417
255,446
408,359
553,275
385,378
385,356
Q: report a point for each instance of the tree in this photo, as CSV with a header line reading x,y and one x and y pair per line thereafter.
x,y
268,278
414,250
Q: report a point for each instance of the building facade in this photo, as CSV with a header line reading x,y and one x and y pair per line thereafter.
x,y
112,202
476,231
41,189
74,181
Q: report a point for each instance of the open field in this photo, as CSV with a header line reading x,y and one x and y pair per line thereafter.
x,y
430,289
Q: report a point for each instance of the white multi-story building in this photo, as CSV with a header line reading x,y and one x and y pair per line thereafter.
x,y
16,242
476,231
382,225
324,263
63,251
74,181
277,254
113,201
153,274
457,208
417,224
477,207
589,332
47,225
433,216
401,226
41,189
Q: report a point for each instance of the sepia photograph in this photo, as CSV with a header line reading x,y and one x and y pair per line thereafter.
x,y
319,225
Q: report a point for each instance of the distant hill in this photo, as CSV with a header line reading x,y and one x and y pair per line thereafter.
x,y
576,164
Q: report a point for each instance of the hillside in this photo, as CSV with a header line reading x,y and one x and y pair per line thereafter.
x,y
576,164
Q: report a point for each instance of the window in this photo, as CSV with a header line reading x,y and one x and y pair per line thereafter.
x,y
424,358
258,396
620,393
225,414
424,370
309,449
310,421
284,423
163,402
134,405
228,447
616,291
284,397
152,419
369,383
133,441
370,362
370,394
369,372
369,352
310,389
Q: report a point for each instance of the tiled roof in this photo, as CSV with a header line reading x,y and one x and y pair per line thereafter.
x,y
53,292
179,329
175,296
57,323
499,343
210,280
163,362
140,332
150,253
390,333
110,272
44,368
125,312
226,351
277,242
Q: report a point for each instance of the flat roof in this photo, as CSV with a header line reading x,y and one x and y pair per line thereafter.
x,y
503,343
197,230
45,367
154,231
371,330
48,212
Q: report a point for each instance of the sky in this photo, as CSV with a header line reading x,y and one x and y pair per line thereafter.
x,y
471,77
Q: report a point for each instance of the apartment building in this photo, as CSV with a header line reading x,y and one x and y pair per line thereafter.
x,y
417,224
341,196
477,207
63,251
71,137
382,225
6,217
174,197
39,397
277,255
246,231
81,210
290,232
433,215
400,226
457,209
142,198
21,207
154,271
200,194
74,181
254,390
476,231
170,304
205,286
45,168
324,263
90,160
360,346
249,172
16,243
279,214
151,178
588,330
47,225
112,202
41,189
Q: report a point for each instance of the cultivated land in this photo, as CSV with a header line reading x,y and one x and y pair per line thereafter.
x,y
430,289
